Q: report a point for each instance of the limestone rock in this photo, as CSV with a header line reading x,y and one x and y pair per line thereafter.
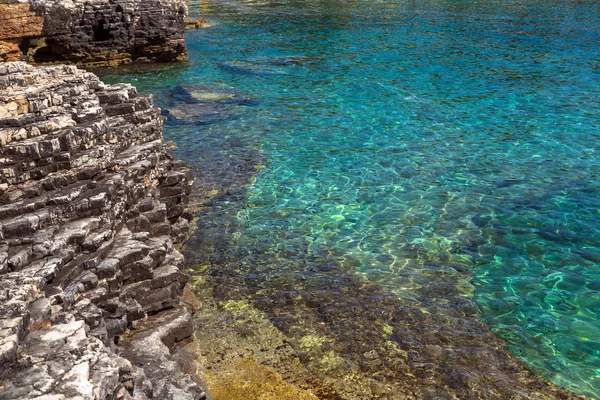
x,y
91,215
151,346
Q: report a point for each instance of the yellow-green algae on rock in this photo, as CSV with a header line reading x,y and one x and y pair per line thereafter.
x,y
246,357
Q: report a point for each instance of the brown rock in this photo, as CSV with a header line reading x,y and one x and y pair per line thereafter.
x,y
196,24
9,51
19,21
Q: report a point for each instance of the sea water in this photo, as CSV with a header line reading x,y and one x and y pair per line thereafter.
x,y
426,149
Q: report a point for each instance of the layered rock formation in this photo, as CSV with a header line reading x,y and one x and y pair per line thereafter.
x,y
92,209
94,32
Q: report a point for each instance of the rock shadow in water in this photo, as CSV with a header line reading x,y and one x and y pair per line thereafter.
x,y
266,66
212,93
293,60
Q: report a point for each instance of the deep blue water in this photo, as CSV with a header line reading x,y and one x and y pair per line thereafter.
x,y
390,136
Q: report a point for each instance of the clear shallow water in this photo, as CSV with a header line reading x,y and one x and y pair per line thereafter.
x,y
433,150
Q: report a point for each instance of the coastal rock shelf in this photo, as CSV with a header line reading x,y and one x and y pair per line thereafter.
x,y
92,211
96,32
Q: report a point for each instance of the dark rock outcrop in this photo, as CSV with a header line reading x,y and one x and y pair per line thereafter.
x,y
92,33
92,211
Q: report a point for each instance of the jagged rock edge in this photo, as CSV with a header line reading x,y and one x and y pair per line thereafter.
x,y
92,212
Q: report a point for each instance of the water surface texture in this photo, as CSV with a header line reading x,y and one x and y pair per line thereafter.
x,y
380,177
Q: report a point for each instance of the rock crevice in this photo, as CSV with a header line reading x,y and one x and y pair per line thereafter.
x,y
92,213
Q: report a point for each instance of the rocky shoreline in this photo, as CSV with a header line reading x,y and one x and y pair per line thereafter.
x,y
92,213
92,33
94,299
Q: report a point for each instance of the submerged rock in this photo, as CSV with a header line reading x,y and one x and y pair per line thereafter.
x,y
266,66
252,68
207,103
203,113
293,60
212,93
197,24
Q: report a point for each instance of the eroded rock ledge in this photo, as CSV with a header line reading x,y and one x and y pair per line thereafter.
x,y
92,32
92,210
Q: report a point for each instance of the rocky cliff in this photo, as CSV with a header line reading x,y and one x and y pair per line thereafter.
x,y
92,32
92,210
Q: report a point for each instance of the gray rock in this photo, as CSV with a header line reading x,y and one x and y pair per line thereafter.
x,y
151,345
87,239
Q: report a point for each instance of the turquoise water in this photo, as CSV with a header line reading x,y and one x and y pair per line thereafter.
x,y
434,150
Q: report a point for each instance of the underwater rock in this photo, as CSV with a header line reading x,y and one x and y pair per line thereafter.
x,y
212,93
293,60
202,113
252,68
331,326
207,103
196,24
266,66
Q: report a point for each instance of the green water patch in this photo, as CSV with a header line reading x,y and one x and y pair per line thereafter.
x,y
549,300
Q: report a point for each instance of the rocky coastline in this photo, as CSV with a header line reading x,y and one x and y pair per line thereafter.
x,y
92,213
92,33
